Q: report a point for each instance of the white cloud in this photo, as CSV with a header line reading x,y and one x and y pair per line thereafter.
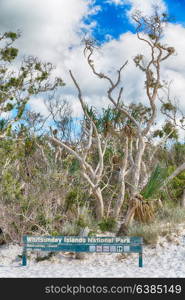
x,y
116,52
145,6
116,2
173,69
49,26
51,30
37,104
109,58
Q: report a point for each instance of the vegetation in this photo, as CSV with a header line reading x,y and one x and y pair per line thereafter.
x,y
165,224
115,168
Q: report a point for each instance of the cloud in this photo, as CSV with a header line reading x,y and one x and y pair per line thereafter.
x,y
173,68
113,54
145,6
37,104
48,27
116,2
52,30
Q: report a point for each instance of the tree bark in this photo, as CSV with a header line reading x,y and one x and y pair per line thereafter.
x,y
121,196
99,204
136,172
123,230
119,201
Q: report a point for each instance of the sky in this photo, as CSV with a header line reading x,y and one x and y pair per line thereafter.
x,y
53,30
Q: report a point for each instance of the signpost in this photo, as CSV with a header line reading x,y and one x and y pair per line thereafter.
x,y
82,244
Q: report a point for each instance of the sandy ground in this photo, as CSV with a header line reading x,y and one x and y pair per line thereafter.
x,y
166,259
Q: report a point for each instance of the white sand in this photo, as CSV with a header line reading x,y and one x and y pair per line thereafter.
x,y
167,259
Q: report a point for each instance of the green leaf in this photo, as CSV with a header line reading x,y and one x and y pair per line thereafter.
x,y
155,182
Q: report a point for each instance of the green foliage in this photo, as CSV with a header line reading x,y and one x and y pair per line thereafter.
x,y
29,146
41,192
81,222
10,188
8,107
108,154
9,130
75,166
152,36
140,112
177,185
71,198
169,130
11,35
178,153
33,77
154,183
158,133
3,123
109,118
8,54
168,127
168,106
75,196
107,224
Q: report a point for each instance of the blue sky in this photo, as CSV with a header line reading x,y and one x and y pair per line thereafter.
x,y
53,31
177,10
112,19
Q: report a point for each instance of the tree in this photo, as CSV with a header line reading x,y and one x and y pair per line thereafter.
x,y
150,31
19,84
176,120
91,173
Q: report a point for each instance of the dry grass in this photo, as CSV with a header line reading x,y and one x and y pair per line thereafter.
x,y
165,224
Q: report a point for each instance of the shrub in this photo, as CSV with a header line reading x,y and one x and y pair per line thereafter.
x,y
150,233
107,224
70,228
173,215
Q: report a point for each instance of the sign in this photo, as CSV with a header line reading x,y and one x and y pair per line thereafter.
x,y
83,244
81,240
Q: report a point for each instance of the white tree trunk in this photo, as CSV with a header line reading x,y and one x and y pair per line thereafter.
x,y
119,201
136,172
121,196
99,204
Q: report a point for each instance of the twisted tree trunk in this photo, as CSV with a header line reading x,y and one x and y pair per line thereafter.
x,y
136,174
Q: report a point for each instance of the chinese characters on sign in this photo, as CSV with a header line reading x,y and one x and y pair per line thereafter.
x,y
107,249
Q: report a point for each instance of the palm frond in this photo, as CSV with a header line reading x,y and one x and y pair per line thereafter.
x,y
155,182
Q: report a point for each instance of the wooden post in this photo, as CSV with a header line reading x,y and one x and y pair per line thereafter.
x,y
140,259
24,258
24,253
